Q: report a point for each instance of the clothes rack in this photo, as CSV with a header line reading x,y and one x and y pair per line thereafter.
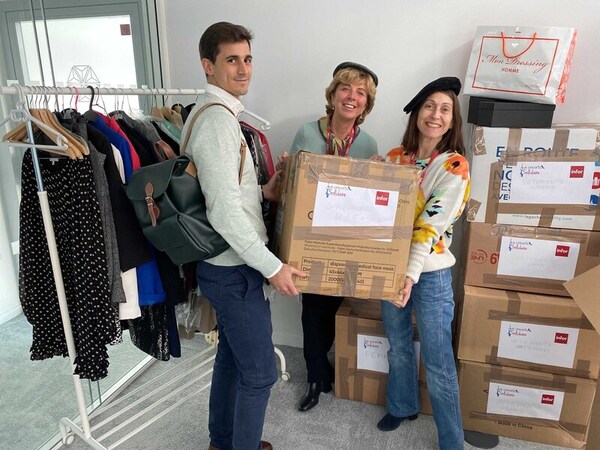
x,y
20,114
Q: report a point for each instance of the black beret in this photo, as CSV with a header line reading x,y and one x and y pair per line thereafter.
x,y
441,84
359,67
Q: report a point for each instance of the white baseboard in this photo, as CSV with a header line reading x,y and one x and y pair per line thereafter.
x,y
10,314
287,339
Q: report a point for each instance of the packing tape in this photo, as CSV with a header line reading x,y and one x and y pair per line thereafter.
x,y
514,303
576,430
472,209
360,378
360,233
491,212
315,277
546,217
581,368
479,148
512,282
341,382
557,234
495,207
561,141
513,142
370,327
513,312
350,278
593,245
377,287
360,169
557,382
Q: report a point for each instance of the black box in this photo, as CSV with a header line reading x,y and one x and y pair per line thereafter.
x,y
491,112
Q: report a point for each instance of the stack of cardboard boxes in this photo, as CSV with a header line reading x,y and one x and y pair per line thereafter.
x,y
348,224
528,355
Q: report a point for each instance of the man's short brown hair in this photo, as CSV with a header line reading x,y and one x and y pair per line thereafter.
x,y
219,33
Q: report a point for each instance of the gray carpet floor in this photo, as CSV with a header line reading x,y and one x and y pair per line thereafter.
x,y
34,395
179,420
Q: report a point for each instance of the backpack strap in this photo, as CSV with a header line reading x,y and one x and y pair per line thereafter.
x,y
191,168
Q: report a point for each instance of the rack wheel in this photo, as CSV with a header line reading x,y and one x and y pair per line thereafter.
x,y
69,438
285,376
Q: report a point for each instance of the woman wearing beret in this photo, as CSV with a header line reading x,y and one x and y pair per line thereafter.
x,y
432,141
350,98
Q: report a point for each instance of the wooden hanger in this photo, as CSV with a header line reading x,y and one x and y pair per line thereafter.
x,y
22,115
41,116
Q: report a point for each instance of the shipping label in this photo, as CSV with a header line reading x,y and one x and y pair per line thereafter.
x,y
538,344
538,258
371,353
522,401
338,205
555,182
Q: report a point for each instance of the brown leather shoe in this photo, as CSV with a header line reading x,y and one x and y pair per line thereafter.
x,y
264,445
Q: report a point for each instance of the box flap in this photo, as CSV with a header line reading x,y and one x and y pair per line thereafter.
x,y
584,289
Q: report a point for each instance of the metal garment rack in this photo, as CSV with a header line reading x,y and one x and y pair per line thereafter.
x,y
67,426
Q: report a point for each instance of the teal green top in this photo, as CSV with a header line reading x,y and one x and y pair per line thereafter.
x,y
309,138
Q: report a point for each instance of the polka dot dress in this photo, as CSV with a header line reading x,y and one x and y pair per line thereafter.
x,y
79,238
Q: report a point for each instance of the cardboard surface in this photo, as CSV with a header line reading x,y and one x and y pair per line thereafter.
x,y
545,257
347,223
521,394
364,385
585,290
530,331
542,177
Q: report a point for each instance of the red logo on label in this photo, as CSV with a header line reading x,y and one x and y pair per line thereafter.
x,y
596,181
547,399
576,172
562,250
561,338
382,198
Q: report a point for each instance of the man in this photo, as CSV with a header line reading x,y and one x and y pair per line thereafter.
x,y
244,369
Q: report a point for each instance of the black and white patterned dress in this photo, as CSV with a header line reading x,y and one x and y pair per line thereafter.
x,y
79,237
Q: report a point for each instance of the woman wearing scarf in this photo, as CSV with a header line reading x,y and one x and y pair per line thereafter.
x,y
350,97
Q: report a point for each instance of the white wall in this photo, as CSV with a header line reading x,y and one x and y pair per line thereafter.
x,y
10,305
407,43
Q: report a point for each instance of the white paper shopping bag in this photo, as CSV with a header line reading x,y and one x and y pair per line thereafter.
x,y
529,64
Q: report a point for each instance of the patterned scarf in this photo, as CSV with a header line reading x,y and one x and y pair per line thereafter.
x,y
337,147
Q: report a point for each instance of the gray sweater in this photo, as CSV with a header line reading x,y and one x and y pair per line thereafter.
x,y
233,209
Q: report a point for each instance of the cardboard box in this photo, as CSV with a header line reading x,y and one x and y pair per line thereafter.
x,y
347,223
546,177
530,331
491,112
585,291
525,404
361,372
528,259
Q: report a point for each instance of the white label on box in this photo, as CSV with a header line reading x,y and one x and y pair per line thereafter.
x,y
338,205
371,353
537,258
554,182
539,344
521,401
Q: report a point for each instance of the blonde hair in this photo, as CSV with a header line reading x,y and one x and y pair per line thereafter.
x,y
350,75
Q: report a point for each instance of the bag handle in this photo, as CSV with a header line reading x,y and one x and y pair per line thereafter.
x,y
523,52
191,168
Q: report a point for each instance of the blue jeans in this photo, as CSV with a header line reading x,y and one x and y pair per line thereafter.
x,y
244,369
433,301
